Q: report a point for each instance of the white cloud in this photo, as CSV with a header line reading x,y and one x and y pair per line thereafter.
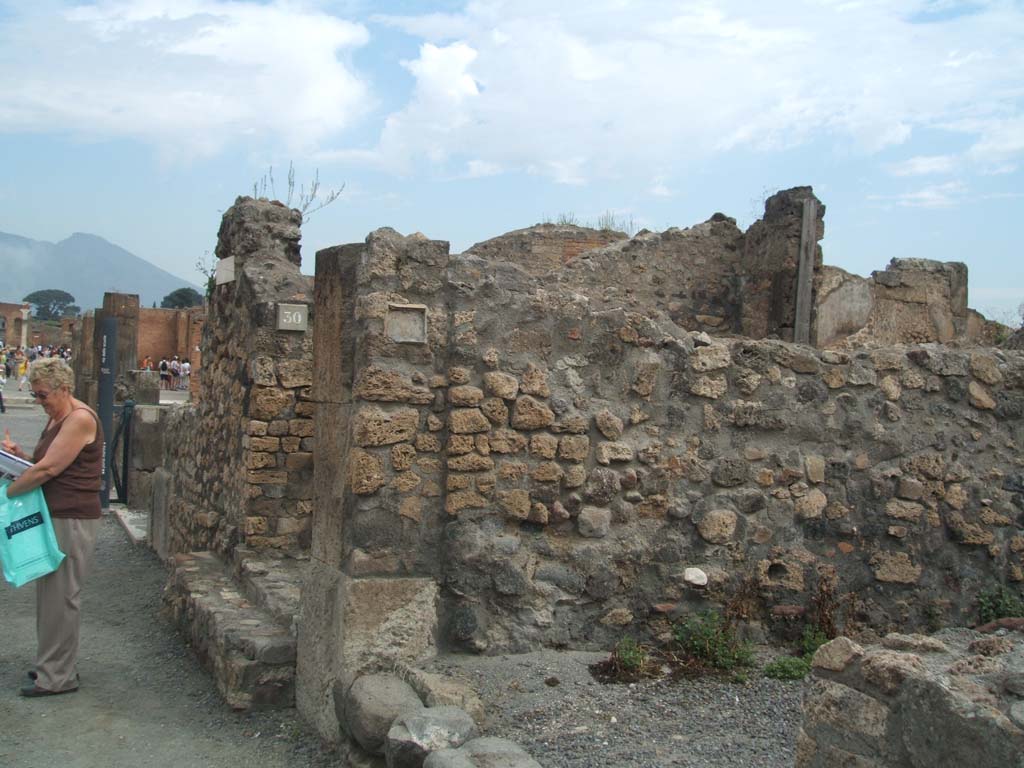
x,y
934,196
923,165
660,189
187,75
608,89
1001,142
477,169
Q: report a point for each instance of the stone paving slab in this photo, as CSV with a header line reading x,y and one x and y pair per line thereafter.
x,y
271,580
134,522
251,656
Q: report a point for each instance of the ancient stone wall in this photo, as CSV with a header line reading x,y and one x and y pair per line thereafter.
x,y
82,361
689,275
381,336
771,254
955,698
10,323
598,456
87,341
238,462
545,247
556,471
712,276
912,301
585,460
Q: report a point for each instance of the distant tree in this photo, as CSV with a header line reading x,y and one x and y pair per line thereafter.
x,y
51,304
72,310
182,298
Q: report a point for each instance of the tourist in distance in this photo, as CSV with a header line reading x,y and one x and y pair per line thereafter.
x,y
165,373
68,466
175,366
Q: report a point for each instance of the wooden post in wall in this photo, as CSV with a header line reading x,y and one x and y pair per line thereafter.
x,y
805,273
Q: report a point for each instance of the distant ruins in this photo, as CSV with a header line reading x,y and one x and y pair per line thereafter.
x,y
563,436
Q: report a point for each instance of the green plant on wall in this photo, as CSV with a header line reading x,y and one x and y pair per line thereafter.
x,y
999,603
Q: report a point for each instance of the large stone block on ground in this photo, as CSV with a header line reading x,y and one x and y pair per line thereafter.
x,y
370,705
485,752
414,736
915,701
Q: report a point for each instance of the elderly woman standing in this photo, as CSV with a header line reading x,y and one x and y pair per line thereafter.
x,y
68,466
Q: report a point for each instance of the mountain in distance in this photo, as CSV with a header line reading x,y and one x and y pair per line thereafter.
x,y
86,266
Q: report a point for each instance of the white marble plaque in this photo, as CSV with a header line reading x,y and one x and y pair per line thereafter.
x,y
225,271
407,323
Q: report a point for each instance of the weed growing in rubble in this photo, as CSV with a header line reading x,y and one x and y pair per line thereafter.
x,y
631,655
1000,603
788,668
629,661
711,641
811,640
797,667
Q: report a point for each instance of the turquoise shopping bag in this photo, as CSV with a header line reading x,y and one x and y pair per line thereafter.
x,y
28,545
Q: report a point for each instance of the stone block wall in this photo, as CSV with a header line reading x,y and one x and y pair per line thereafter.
x,y
771,255
688,275
712,276
955,698
83,362
560,470
88,338
370,596
545,247
912,301
594,457
239,462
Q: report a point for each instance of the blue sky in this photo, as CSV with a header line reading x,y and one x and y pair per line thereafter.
x,y
142,121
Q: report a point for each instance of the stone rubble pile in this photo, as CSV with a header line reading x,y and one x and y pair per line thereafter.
x,y
954,698
390,726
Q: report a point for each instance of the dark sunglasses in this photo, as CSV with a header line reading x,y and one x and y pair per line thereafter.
x,y
40,395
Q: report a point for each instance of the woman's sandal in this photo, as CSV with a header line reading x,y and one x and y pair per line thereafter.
x,y
32,691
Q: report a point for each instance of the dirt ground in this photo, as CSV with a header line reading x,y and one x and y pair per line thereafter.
x,y
143,701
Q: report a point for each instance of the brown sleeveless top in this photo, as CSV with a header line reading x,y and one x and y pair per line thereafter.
x,y
75,492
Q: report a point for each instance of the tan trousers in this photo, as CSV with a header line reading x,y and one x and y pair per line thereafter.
x,y
57,605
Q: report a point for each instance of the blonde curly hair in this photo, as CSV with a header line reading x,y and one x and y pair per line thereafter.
x,y
53,372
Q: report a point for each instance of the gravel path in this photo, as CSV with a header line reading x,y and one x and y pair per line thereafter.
x,y
580,723
144,701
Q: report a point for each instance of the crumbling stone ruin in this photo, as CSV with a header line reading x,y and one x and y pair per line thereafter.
x,y
562,436
954,698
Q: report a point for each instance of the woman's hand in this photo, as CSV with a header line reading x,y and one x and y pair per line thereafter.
x,y
10,446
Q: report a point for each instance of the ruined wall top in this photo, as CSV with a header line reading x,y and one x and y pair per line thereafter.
x,y
717,278
544,248
261,228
